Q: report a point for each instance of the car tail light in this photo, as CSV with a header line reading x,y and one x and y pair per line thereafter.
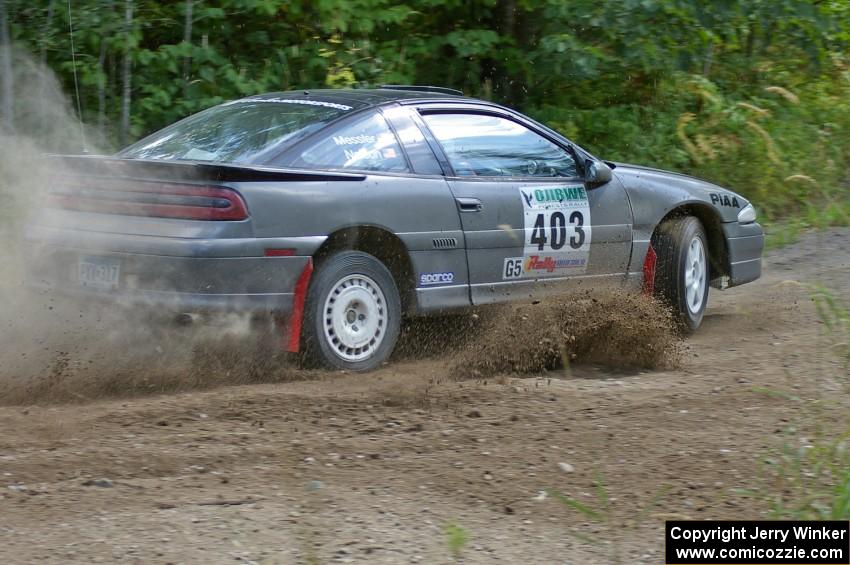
x,y
179,201
277,252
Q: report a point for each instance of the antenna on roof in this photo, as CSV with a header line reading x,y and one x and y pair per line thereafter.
x,y
76,84
412,88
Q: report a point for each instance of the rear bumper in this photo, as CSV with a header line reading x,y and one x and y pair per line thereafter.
x,y
185,274
183,284
745,243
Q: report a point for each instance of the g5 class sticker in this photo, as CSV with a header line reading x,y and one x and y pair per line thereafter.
x,y
557,233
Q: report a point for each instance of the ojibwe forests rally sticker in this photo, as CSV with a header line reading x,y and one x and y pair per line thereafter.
x,y
557,233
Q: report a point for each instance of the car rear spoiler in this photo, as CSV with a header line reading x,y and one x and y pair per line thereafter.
x,y
152,169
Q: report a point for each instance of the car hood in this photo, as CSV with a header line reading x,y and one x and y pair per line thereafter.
x,y
663,190
623,167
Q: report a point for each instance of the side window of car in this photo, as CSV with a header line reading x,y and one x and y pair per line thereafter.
x,y
489,146
368,144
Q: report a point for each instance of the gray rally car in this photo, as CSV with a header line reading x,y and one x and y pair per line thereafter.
x,y
341,211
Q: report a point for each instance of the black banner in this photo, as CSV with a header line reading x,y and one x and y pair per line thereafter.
x,y
757,542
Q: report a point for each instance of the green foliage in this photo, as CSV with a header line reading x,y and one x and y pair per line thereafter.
x,y
605,515
807,477
753,94
835,315
806,480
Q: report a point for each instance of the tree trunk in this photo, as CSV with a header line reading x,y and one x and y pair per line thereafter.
x,y
43,75
493,71
128,75
526,27
48,22
187,38
101,87
101,67
707,60
45,34
7,109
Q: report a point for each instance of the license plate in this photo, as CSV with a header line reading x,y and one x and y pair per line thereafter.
x,y
100,273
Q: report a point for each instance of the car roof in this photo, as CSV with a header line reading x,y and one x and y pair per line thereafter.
x,y
359,98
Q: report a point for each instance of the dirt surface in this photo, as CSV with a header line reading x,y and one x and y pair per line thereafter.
x,y
373,469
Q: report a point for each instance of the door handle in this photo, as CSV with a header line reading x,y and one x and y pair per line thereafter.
x,y
469,204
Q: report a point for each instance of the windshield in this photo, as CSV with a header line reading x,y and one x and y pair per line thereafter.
x,y
244,131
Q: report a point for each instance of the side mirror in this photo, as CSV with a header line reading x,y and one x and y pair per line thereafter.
x,y
597,172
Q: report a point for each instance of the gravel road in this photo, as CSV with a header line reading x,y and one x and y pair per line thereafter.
x,y
375,468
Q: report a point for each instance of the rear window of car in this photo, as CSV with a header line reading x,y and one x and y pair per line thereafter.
x,y
366,144
242,132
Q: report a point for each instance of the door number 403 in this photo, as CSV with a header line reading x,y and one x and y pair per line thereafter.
x,y
557,232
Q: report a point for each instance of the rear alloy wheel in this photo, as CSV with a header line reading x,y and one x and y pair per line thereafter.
x,y
353,313
681,272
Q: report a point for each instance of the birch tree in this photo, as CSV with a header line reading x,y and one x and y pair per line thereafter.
x,y
127,74
187,40
7,108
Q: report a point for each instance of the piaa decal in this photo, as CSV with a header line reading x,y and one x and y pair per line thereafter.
x,y
724,200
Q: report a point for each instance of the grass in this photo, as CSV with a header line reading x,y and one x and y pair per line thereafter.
x,y
604,514
835,315
456,538
787,230
780,234
808,476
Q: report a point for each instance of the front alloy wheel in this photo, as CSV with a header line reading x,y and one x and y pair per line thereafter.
x,y
695,276
681,271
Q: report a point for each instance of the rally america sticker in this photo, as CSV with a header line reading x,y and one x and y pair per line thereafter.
x,y
557,233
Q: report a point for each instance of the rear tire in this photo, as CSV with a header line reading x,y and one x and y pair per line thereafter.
x,y
352,315
681,270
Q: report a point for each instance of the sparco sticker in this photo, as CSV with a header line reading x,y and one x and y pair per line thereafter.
x,y
557,233
427,279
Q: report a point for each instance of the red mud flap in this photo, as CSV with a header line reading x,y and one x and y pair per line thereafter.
x,y
291,329
649,271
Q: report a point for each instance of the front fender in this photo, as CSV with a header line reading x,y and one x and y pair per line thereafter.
x,y
656,195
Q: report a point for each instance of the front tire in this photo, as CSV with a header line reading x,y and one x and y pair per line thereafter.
x,y
353,313
681,271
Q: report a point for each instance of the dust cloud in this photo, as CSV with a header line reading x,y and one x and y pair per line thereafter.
x,y
41,122
615,329
57,348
